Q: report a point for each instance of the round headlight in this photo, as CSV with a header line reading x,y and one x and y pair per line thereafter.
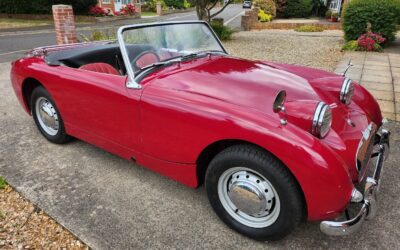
x,y
322,120
347,91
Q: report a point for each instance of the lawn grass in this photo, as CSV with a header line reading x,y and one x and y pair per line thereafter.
x,y
21,23
9,23
148,13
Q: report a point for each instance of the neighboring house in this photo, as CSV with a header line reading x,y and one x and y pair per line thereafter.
x,y
115,5
337,5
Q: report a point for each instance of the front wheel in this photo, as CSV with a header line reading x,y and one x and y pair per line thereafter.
x,y
254,193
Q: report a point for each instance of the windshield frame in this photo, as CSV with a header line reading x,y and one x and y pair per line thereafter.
x,y
131,82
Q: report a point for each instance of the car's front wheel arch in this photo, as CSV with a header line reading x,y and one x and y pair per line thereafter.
x,y
213,149
282,198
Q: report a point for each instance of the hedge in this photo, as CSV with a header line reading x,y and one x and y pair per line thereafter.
x,y
298,8
178,4
280,7
43,6
381,14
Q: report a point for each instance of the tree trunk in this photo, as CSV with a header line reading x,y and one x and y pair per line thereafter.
x,y
204,7
201,9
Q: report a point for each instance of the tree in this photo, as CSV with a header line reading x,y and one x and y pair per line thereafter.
x,y
204,7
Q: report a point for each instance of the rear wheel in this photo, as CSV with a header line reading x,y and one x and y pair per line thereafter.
x,y
254,193
47,117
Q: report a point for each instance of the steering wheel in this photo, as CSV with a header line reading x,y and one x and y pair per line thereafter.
x,y
145,58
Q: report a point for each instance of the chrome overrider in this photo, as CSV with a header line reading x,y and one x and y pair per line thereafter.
x,y
369,202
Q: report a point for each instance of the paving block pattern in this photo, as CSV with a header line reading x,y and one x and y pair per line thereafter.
x,y
379,73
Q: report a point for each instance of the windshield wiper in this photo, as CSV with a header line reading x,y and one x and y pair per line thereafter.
x,y
178,59
174,60
188,56
158,64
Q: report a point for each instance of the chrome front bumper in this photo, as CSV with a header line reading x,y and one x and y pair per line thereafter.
x,y
369,206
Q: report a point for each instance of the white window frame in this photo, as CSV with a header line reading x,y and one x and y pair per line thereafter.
x,y
336,5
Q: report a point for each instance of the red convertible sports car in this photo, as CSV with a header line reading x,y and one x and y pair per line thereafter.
x,y
275,144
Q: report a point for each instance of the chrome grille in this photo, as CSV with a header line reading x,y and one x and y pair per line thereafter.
x,y
364,151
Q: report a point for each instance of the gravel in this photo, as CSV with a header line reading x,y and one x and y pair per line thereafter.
x,y
319,50
24,226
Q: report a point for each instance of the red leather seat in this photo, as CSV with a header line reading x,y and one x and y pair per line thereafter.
x,y
145,59
164,55
100,67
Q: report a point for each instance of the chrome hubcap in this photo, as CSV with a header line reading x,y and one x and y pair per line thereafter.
x,y
47,116
248,197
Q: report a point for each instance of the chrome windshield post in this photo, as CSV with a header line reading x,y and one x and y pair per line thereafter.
x,y
131,83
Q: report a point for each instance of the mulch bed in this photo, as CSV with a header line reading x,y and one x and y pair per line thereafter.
x,y
24,226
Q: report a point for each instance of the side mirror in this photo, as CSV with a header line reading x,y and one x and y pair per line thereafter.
x,y
349,65
279,102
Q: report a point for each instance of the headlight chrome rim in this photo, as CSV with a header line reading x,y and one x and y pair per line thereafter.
x,y
347,91
322,112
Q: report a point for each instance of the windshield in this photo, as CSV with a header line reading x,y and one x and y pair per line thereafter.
x,y
149,45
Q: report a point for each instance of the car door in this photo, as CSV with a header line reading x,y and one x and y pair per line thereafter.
x,y
97,106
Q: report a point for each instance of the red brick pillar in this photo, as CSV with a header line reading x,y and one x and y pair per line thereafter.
x,y
64,23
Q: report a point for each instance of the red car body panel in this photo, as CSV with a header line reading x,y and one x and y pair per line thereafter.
x,y
184,108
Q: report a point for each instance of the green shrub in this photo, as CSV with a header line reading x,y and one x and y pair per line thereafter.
x,y
98,35
309,28
328,14
350,45
151,5
268,6
318,8
264,17
381,14
298,8
186,4
223,32
43,6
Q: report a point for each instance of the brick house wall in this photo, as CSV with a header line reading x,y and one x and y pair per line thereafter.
x,y
107,4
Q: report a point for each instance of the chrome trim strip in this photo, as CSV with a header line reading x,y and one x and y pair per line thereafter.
x,y
44,50
132,83
369,207
365,145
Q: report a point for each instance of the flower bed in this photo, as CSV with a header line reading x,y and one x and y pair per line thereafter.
x,y
105,15
113,18
366,42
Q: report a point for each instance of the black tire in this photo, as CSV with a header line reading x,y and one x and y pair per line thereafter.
x,y
292,208
61,136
